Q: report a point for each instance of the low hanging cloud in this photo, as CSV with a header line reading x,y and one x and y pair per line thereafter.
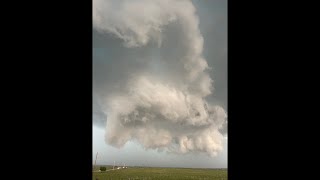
x,y
154,90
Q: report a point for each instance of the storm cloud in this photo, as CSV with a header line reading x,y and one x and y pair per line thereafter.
x,y
151,80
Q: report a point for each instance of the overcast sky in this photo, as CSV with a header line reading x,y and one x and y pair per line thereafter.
x,y
108,51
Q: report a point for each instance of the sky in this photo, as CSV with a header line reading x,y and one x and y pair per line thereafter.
x,y
124,46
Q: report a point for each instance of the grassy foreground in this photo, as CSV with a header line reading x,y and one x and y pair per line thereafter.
x,y
135,173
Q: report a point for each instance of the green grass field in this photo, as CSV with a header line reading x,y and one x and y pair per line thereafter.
x,y
145,173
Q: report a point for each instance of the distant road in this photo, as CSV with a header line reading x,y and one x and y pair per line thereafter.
x,y
108,170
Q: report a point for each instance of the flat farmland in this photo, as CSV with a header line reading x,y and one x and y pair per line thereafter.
x,y
146,173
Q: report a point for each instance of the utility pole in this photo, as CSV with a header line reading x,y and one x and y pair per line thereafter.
x,y
95,162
